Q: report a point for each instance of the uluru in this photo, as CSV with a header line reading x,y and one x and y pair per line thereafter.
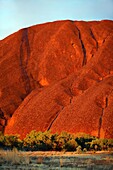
x,y
58,76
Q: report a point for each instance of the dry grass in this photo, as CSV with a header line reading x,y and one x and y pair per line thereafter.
x,y
14,157
40,160
61,162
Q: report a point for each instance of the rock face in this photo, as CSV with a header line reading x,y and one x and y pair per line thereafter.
x,y
58,76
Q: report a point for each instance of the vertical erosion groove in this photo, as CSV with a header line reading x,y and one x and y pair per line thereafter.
x,y
83,48
100,122
104,40
2,117
57,113
92,35
101,117
71,98
25,48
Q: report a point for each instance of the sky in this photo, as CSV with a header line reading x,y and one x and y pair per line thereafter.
x,y
17,14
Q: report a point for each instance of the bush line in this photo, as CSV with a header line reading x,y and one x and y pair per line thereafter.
x,y
47,141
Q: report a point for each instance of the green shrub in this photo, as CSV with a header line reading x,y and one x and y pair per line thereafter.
x,y
38,141
84,140
110,144
99,144
46,141
79,149
10,141
71,145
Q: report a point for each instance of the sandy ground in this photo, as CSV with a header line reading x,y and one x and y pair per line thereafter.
x,y
63,153
58,160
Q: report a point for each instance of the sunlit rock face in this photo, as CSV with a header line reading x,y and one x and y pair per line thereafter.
x,y
58,76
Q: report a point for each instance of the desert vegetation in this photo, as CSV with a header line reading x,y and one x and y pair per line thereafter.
x,y
13,157
63,150
47,141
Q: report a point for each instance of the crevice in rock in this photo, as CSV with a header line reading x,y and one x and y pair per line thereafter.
x,y
27,45
35,83
92,35
57,114
23,64
100,76
1,113
71,98
2,117
62,107
107,37
100,123
83,48
69,93
106,102
101,117
28,100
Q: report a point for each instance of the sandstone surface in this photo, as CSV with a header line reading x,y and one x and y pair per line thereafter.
x,y
58,76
